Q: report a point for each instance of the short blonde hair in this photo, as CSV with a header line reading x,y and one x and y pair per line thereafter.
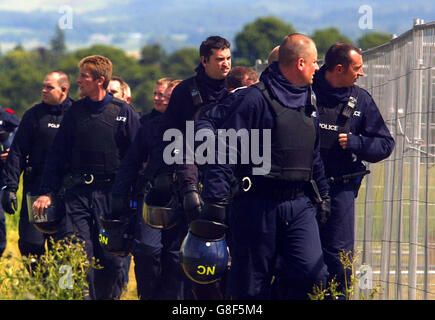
x,y
98,66
174,83
163,81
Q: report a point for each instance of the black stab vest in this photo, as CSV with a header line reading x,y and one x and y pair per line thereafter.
x,y
45,129
293,140
94,148
332,121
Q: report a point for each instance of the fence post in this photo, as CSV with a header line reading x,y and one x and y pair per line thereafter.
x,y
415,159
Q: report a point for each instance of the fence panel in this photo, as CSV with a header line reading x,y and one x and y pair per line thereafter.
x,y
395,216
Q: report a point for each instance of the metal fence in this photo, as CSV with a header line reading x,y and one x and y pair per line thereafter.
x,y
395,209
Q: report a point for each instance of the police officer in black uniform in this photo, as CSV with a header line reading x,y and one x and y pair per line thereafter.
x,y
189,101
28,153
8,125
272,221
352,130
94,136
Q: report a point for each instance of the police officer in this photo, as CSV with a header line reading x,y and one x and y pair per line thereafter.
x,y
352,131
94,136
8,124
160,104
28,153
189,100
155,251
272,221
240,77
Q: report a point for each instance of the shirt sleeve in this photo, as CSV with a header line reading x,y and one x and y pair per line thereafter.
x,y
373,142
20,148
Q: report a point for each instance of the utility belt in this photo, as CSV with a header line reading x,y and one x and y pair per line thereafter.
x,y
272,188
72,180
354,178
349,178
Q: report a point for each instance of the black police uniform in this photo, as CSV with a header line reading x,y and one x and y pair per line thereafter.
x,y
8,125
27,155
87,151
273,224
348,110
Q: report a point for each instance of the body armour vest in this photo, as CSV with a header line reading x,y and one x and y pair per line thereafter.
x,y
46,127
293,139
94,145
332,121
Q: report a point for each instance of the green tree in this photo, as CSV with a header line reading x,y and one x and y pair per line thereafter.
x,y
57,43
373,39
142,94
181,64
258,38
327,37
152,54
22,76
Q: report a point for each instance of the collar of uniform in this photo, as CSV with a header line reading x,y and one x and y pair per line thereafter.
x,y
286,93
326,94
98,106
58,108
213,89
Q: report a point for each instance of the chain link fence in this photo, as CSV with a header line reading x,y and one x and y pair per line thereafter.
x,y
395,209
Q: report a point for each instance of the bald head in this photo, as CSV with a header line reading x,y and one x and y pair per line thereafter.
x,y
293,47
273,55
297,59
61,77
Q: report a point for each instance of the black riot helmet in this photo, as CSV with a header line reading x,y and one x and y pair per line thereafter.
x,y
116,236
160,208
49,222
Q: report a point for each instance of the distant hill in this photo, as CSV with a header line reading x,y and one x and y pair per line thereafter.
x,y
176,24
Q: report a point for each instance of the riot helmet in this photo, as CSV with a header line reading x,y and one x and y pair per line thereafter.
x,y
204,254
160,209
49,222
115,236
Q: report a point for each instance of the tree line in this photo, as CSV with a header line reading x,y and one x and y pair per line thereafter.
x,y
22,71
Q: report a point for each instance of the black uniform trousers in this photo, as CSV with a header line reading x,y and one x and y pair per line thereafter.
x,y
159,275
274,238
338,233
84,204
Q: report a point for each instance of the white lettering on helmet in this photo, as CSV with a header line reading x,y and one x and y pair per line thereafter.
x,y
54,125
123,119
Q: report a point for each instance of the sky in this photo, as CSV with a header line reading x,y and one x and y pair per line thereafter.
x,y
130,24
